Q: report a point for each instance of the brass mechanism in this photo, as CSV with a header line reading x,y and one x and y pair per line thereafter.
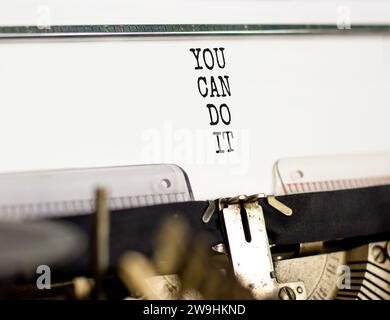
x,y
182,268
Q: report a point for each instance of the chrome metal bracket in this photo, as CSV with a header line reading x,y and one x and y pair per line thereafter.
x,y
249,250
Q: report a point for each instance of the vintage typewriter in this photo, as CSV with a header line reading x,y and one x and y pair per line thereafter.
x,y
168,120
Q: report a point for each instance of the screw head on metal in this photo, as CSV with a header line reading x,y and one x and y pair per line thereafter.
x,y
378,253
286,293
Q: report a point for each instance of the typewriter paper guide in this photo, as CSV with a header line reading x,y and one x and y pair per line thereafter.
x,y
78,103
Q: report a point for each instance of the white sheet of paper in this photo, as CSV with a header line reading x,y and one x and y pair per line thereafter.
x,y
81,103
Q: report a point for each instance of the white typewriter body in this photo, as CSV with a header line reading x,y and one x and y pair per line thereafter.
x,y
118,99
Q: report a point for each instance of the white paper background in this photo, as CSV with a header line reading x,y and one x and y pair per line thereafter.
x,y
77,103
23,12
